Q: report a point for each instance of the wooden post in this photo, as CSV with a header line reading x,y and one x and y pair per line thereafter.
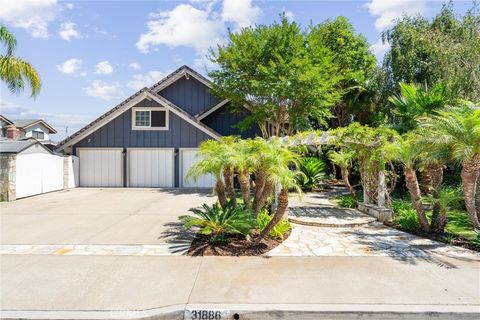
x,y
382,188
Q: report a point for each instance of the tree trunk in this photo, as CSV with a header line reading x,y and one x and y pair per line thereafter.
x,y
439,214
414,189
260,180
346,181
477,197
470,175
267,191
228,177
220,189
244,181
277,217
426,179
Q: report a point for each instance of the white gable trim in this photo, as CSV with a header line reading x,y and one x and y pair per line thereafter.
x,y
179,75
132,103
211,110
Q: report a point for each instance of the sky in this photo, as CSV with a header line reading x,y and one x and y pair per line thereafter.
x,y
91,55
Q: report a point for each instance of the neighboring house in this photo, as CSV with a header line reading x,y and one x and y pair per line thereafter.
x,y
25,129
151,138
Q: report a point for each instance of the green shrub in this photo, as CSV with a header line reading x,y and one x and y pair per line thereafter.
x,y
216,222
313,170
263,218
404,216
346,201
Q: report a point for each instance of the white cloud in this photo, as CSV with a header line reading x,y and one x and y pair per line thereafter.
x,y
70,66
104,67
68,32
31,15
182,26
135,66
140,81
388,11
379,48
289,15
70,6
242,13
103,90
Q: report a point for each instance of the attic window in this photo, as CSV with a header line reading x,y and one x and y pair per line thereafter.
x,y
149,119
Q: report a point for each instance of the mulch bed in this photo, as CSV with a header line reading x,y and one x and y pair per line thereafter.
x,y
233,246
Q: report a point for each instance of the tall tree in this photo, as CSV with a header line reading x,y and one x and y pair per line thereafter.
x,y
443,50
278,75
356,65
16,72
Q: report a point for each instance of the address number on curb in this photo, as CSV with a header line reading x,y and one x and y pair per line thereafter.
x,y
207,314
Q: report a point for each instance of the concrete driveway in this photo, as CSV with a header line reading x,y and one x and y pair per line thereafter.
x,y
99,216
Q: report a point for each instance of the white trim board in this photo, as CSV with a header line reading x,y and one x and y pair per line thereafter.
x,y
211,110
178,76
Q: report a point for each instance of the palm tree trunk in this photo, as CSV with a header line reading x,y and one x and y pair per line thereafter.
x,y
228,177
414,189
277,217
346,181
260,179
470,175
220,189
244,181
439,214
426,179
477,197
267,191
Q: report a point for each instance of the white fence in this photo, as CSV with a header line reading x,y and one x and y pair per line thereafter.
x,y
39,173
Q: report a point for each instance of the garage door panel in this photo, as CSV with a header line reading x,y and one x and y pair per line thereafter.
x,y
151,168
188,158
101,167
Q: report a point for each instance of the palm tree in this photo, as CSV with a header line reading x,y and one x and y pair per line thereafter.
x,y
15,72
343,159
243,162
211,154
229,148
284,175
459,131
409,153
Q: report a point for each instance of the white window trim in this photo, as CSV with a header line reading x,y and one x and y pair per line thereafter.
x,y
167,118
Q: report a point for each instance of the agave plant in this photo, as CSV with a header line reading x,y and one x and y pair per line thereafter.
x,y
217,222
313,172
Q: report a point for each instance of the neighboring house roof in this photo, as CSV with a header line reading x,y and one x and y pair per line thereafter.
x,y
17,146
26,123
5,119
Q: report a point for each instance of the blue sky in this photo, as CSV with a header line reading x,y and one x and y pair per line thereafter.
x,y
93,54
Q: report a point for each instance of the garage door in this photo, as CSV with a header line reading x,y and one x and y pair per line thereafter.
x,y
101,167
187,158
151,168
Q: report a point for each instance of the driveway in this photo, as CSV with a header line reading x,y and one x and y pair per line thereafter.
x,y
99,216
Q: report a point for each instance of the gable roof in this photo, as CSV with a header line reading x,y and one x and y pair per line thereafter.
x,y
177,74
26,123
17,146
5,119
127,104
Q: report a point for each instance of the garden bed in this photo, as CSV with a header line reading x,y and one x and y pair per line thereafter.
x,y
232,246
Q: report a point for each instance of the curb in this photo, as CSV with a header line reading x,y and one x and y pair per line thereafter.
x,y
264,312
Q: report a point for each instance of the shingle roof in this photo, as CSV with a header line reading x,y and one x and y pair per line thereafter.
x,y
17,146
174,73
23,123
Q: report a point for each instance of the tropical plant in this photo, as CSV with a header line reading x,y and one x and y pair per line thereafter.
x,y
278,231
347,201
216,221
343,159
445,199
458,129
405,216
16,72
313,172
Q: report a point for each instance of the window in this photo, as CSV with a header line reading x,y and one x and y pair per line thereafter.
x,y
150,119
39,135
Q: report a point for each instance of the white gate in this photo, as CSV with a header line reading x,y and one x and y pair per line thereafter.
x,y
38,173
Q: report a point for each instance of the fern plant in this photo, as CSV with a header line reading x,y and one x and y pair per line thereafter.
x,y
278,231
217,222
313,173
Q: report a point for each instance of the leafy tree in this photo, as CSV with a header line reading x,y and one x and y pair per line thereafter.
x,y
343,159
459,131
16,72
444,50
356,65
282,78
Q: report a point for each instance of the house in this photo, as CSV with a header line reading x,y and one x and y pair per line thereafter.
x,y
25,129
151,138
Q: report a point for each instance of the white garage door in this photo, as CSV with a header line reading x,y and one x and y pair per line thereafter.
x,y
101,167
151,168
187,158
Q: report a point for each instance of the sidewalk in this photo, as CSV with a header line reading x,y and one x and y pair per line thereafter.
x,y
108,287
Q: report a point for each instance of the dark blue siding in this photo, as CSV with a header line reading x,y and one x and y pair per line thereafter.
x,y
190,95
224,122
